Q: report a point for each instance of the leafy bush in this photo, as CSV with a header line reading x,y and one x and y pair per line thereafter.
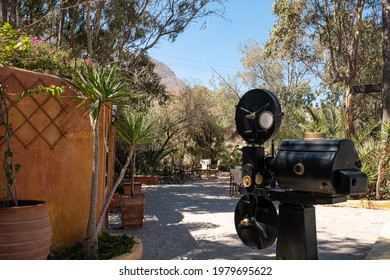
x,y
109,247
17,49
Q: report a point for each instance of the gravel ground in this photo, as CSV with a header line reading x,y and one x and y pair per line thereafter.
x,y
195,221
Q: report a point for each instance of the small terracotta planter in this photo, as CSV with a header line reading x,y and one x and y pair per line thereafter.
x,y
147,179
127,187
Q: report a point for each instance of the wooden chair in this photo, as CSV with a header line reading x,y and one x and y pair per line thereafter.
x,y
213,168
235,181
178,170
188,172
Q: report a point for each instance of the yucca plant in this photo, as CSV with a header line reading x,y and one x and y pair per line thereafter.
x,y
134,132
96,89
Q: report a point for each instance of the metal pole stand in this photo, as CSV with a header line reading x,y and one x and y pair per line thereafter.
x,y
297,234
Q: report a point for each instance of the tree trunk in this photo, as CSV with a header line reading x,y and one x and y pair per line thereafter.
x,y
132,174
89,31
1,12
73,28
97,24
60,29
386,61
382,165
90,245
350,112
352,71
111,193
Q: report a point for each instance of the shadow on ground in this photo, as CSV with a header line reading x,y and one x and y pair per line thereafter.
x,y
195,221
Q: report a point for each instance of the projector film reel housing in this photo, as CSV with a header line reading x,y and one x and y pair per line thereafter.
x,y
302,174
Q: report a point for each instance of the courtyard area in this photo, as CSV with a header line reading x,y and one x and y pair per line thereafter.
x,y
195,221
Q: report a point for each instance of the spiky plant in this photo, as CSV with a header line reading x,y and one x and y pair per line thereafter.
x,y
96,89
134,132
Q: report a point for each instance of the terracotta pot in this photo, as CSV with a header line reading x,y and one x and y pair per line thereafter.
x,y
114,203
127,187
25,231
132,211
147,179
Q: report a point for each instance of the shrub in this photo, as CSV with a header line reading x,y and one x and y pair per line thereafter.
x,y
109,247
20,50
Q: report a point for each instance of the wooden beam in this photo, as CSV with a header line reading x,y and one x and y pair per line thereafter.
x,y
367,88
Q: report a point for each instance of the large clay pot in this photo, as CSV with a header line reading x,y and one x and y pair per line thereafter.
x,y
25,231
132,211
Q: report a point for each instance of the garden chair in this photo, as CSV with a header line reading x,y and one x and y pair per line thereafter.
x,y
235,180
213,168
188,172
202,168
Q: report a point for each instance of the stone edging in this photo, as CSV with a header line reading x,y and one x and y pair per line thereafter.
x,y
381,248
365,203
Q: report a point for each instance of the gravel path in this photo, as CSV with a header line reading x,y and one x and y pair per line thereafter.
x,y
195,221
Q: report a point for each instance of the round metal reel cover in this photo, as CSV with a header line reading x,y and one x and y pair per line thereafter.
x,y
258,116
256,221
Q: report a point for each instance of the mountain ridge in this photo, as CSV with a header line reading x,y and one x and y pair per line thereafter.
x,y
173,84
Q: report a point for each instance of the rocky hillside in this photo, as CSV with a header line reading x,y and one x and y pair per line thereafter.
x,y
173,84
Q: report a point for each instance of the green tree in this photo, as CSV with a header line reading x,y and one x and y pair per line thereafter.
x,y
210,122
284,76
111,32
106,28
329,37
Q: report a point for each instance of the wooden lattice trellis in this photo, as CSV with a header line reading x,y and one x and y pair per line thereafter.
x,y
38,114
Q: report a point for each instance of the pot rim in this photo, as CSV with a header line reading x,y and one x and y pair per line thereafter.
x,y
26,203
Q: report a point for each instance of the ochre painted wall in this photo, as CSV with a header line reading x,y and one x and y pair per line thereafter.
x,y
53,144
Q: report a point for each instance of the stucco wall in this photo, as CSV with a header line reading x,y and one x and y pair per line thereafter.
x,y
53,144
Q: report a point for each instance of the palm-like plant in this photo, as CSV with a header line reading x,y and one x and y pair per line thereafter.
x,y
95,89
135,133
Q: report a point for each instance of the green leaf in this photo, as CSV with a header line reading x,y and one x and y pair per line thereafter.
x,y
8,154
17,167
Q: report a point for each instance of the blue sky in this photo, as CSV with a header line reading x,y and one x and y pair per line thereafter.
x,y
195,52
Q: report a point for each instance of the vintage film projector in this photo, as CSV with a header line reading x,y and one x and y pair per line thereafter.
x,y
303,173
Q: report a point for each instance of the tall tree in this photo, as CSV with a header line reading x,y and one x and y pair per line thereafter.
x,y
287,78
384,160
327,37
386,61
105,28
